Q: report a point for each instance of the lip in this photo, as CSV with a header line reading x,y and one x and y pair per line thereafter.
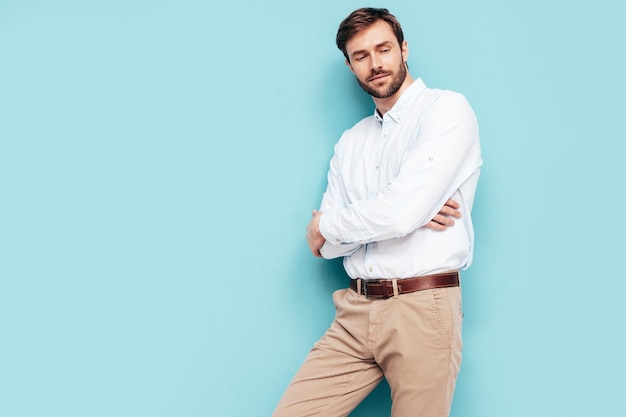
x,y
378,77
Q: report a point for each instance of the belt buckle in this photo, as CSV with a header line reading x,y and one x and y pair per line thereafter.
x,y
364,288
367,294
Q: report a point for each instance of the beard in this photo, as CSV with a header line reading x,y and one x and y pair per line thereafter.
x,y
389,90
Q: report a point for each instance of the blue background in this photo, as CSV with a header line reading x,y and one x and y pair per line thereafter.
x,y
159,161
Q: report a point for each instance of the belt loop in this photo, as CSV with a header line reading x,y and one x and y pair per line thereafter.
x,y
394,283
358,285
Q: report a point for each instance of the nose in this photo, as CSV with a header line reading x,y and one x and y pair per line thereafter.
x,y
376,63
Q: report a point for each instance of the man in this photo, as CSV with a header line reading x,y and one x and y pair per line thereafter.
x,y
394,180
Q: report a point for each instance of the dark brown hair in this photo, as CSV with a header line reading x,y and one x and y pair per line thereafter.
x,y
361,19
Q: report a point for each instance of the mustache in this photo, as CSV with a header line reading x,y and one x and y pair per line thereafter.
x,y
376,73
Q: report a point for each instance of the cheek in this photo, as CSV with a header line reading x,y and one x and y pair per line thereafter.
x,y
361,71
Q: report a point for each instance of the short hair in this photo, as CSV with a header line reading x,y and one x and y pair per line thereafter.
x,y
361,19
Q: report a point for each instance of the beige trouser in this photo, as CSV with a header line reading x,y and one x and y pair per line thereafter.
x,y
413,340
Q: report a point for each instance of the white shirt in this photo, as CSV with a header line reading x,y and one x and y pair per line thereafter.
x,y
390,176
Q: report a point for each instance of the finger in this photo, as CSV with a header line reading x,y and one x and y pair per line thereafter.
x,y
443,220
452,203
449,211
315,250
433,225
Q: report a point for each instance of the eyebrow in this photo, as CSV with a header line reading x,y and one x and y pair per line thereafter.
x,y
360,51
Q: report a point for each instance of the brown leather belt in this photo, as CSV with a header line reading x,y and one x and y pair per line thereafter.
x,y
384,288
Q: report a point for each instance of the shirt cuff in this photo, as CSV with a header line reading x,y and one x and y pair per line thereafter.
x,y
330,233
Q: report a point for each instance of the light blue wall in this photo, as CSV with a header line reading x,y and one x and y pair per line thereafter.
x,y
159,161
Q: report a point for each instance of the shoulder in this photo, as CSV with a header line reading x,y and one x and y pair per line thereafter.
x,y
364,124
358,132
447,105
446,98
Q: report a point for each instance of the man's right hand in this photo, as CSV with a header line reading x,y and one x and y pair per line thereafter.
x,y
442,220
313,235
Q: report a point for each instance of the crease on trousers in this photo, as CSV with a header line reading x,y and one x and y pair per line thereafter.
x,y
413,340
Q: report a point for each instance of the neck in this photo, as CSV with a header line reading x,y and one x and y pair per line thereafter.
x,y
385,104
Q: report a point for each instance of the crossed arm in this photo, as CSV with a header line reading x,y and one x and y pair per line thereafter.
x,y
440,222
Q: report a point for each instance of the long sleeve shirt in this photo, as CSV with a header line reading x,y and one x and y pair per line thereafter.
x,y
390,175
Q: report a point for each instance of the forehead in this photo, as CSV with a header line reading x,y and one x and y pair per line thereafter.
x,y
377,34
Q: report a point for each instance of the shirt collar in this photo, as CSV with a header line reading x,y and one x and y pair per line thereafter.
x,y
405,101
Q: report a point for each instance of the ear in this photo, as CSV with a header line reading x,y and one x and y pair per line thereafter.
x,y
405,50
349,65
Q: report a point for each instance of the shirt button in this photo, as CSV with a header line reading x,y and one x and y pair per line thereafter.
x,y
371,269
376,167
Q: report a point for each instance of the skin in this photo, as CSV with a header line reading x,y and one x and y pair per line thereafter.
x,y
378,62
375,59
